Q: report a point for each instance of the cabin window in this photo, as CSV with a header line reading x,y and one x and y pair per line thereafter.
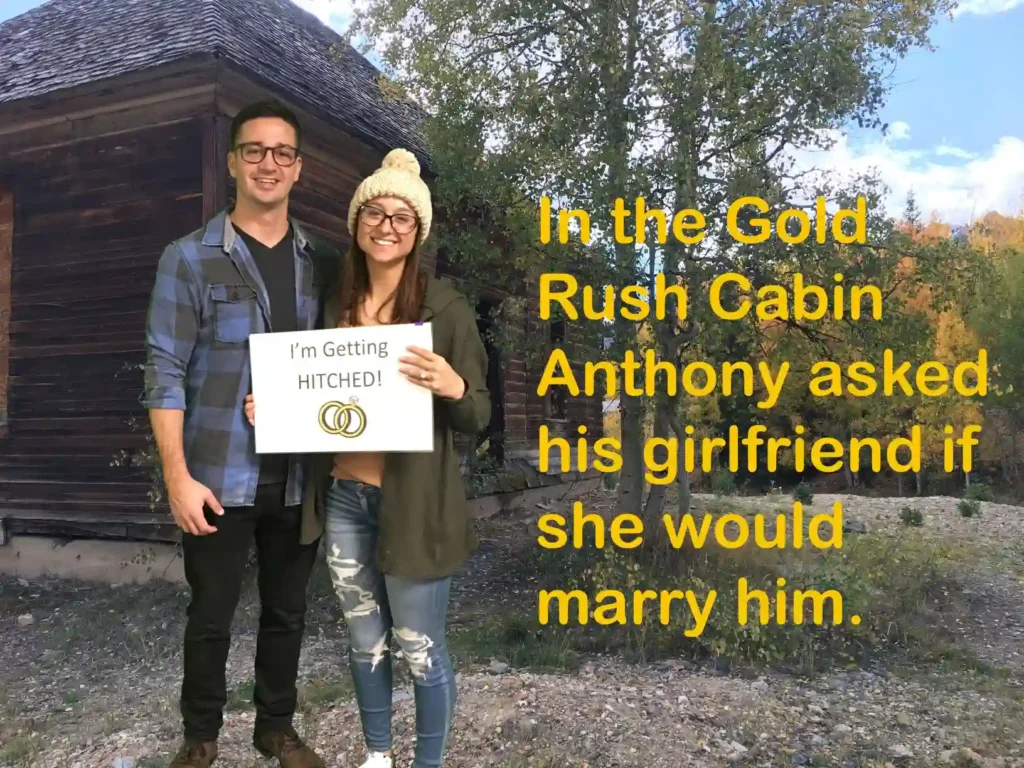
x,y
6,260
487,323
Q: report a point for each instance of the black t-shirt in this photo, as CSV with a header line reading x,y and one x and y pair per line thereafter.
x,y
276,266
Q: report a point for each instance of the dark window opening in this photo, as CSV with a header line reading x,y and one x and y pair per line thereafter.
x,y
557,405
494,434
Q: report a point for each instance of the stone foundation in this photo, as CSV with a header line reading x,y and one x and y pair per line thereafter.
x,y
112,561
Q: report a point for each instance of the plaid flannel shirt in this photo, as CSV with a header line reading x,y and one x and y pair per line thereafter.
x,y
207,299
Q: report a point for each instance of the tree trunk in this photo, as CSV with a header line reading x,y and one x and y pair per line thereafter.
x,y
1013,448
899,480
683,508
631,479
656,498
919,480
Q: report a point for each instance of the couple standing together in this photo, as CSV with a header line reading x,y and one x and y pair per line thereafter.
x,y
395,526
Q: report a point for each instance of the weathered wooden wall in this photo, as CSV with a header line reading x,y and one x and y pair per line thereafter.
x,y
6,250
90,221
92,189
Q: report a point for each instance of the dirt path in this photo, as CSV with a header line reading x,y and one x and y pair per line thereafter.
x,y
92,682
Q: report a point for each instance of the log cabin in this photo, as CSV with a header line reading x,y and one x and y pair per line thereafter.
x,y
114,130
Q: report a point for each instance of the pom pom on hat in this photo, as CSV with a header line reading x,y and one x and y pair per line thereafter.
x,y
403,160
398,176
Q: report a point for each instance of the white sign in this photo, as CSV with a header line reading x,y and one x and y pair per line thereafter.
x,y
340,389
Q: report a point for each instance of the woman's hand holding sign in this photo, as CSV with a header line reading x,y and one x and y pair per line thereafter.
x,y
431,371
250,410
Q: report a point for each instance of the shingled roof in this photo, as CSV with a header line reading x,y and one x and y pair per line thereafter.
x,y
66,43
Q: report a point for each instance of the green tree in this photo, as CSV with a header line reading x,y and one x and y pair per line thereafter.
x,y
688,105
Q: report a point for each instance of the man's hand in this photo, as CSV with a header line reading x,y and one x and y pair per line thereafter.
x,y
188,498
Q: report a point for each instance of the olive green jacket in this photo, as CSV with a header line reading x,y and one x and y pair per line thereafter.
x,y
426,530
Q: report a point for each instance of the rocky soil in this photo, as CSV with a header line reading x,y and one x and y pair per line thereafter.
x,y
90,679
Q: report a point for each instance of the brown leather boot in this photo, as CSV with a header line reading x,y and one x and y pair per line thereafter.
x,y
195,754
288,748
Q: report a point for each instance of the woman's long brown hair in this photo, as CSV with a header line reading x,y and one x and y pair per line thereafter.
x,y
355,286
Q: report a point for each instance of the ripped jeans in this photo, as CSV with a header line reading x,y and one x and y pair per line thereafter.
x,y
376,605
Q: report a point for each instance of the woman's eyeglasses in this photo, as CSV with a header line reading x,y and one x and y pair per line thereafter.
x,y
403,223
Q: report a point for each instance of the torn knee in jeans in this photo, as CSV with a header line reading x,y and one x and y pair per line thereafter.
x,y
416,647
372,653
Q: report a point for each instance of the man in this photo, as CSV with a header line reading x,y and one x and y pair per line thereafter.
x,y
249,270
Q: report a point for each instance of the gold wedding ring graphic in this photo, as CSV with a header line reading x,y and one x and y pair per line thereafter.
x,y
336,418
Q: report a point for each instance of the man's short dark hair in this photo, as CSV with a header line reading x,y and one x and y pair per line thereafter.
x,y
270,108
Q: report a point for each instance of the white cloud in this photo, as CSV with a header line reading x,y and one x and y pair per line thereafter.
x,y
944,150
899,130
334,13
954,184
986,7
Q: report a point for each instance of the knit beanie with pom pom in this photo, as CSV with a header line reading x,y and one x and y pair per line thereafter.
x,y
398,176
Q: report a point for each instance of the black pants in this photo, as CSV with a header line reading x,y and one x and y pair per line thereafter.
x,y
214,565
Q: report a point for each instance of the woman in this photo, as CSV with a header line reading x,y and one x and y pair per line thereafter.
x,y
397,525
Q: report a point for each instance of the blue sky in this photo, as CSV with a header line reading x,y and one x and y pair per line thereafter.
x,y
956,114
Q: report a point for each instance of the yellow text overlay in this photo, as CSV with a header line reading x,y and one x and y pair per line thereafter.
x,y
612,606
647,375
730,531
792,225
751,450
801,301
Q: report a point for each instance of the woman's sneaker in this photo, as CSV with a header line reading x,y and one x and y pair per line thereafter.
x,y
378,760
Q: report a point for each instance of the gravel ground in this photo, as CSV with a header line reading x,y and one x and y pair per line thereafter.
x,y
91,680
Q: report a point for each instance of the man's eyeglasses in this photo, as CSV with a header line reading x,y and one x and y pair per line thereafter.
x,y
403,223
253,152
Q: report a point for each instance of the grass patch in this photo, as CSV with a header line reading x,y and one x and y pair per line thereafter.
x,y
516,640
949,658
723,484
9,706
997,730
321,694
17,750
897,586
240,697
143,620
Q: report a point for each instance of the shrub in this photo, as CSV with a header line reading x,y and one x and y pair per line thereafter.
x,y
723,484
911,517
979,492
969,507
803,493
